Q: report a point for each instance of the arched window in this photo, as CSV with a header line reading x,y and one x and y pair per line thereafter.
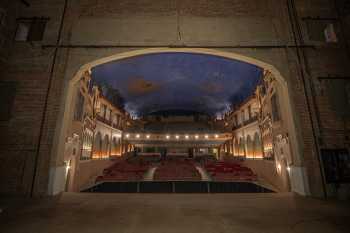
x,y
87,144
96,154
257,146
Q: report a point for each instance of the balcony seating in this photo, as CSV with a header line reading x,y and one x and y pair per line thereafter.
x,y
145,157
230,171
177,169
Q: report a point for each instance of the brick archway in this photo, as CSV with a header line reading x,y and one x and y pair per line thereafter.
x,y
300,179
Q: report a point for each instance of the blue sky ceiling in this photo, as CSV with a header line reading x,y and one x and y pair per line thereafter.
x,y
179,81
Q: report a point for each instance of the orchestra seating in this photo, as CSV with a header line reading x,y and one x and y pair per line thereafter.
x,y
229,171
125,170
177,169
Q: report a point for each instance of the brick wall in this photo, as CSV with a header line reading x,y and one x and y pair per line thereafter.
x,y
151,23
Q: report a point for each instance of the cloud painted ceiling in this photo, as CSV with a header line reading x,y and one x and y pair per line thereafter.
x,y
179,81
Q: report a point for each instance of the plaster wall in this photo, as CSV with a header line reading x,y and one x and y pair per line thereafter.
x,y
88,171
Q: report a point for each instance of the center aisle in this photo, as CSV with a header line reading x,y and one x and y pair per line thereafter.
x,y
149,174
204,174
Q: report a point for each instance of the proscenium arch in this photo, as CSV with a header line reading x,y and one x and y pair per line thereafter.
x,y
57,155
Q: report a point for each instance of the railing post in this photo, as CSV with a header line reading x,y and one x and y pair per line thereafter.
x,y
173,186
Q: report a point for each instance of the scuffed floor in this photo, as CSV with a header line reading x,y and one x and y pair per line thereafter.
x,y
176,213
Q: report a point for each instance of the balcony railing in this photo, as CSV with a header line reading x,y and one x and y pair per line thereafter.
x,y
107,122
251,120
247,122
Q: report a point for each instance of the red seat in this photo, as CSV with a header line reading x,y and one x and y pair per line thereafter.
x,y
229,171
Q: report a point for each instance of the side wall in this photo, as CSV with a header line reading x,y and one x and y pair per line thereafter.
x,y
269,174
88,171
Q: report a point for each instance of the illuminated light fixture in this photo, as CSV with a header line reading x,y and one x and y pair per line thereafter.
x,y
216,136
167,137
206,136
137,135
187,137
128,135
279,167
196,137
148,136
177,136
67,167
288,169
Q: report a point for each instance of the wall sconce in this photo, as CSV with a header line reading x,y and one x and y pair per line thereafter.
x,y
279,167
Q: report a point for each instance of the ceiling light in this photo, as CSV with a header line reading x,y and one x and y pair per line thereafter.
x,y
137,135
167,137
206,136
128,135
196,136
148,136
216,136
177,136
186,136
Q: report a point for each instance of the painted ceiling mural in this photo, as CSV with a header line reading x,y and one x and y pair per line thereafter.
x,y
178,81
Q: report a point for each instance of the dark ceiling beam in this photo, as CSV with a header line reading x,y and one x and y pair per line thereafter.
x,y
24,2
179,46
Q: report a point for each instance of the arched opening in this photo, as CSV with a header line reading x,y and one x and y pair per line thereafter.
x,y
97,148
87,144
248,148
257,146
105,147
236,147
115,147
242,151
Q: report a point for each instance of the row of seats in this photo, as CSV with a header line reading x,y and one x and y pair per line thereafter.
x,y
177,169
229,171
125,170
